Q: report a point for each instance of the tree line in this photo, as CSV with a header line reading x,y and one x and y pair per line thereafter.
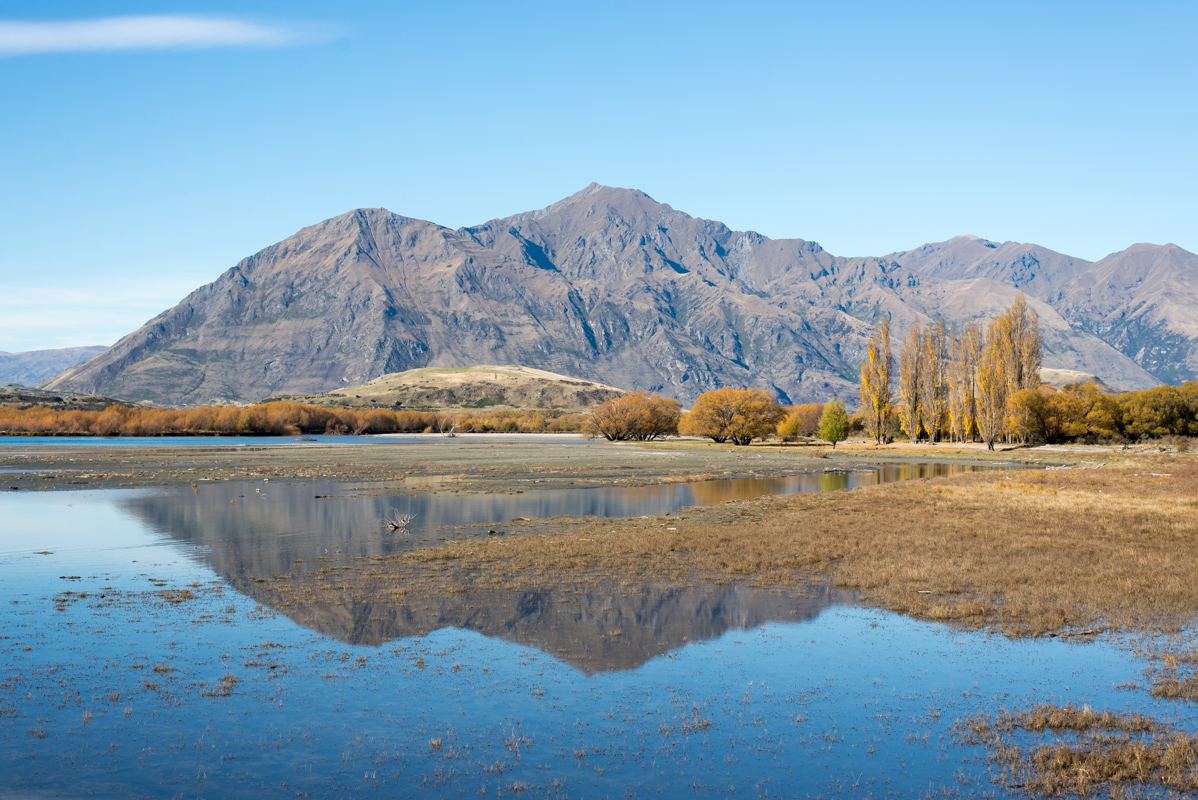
x,y
976,383
723,415
983,384
273,419
952,384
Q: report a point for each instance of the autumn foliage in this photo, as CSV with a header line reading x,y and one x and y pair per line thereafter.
x,y
801,420
268,419
638,416
1048,415
732,415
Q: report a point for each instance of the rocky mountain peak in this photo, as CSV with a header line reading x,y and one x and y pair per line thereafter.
x,y
606,285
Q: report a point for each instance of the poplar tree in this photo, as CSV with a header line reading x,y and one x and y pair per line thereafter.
x,y
992,391
933,398
962,381
876,372
908,380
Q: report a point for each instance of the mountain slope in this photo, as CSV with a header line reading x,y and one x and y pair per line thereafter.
x,y
1143,301
1033,269
32,366
607,285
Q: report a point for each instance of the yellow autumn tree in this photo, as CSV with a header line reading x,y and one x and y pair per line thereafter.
x,y
961,384
732,415
637,415
992,386
801,420
933,396
876,371
908,381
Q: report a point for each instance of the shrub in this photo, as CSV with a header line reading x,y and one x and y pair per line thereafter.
x,y
732,415
801,420
638,416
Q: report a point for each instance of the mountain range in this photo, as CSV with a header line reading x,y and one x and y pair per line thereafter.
x,y
611,286
32,366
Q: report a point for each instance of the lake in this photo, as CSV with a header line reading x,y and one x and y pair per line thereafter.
x,y
143,657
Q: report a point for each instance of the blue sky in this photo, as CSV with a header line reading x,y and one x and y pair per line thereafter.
x,y
139,161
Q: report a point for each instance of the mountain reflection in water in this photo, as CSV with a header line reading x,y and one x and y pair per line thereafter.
x,y
258,535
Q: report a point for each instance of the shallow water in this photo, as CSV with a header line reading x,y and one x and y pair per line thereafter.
x,y
648,691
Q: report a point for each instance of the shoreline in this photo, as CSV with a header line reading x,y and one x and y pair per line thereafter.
x,y
480,462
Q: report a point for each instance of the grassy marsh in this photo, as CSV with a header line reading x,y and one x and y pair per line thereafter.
x,y
1064,551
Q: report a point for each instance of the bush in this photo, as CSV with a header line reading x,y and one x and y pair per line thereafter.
x,y
801,420
638,416
732,415
268,419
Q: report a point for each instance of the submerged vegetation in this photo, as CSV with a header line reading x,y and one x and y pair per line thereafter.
x,y
1088,751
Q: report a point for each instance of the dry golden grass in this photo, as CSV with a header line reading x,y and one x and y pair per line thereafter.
x,y
1027,552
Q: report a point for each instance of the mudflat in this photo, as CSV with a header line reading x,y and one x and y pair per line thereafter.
x,y
475,462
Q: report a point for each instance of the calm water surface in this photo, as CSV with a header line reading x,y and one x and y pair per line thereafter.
x,y
142,657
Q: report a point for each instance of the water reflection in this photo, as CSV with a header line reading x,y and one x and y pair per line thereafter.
x,y
258,535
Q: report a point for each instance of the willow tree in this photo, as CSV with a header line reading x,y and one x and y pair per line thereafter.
x,y
732,415
876,371
908,381
933,395
834,422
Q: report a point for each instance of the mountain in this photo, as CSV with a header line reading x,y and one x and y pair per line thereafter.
x,y
34,366
1030,268
1142,301
607,285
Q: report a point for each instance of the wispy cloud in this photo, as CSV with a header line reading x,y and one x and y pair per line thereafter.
x,y
88,312
147,32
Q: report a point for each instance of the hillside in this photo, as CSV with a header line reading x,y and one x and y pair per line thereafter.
x,y
33,366
468,387
1143,301
14,395
607,285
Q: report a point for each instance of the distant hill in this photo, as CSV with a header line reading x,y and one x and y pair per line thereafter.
x,y
1060,378
34,366
614,287
469,387
14,395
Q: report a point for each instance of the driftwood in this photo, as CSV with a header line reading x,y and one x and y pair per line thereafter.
x,y
397,521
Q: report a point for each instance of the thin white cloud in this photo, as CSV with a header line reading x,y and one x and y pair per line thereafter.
x,y
89,311
147,32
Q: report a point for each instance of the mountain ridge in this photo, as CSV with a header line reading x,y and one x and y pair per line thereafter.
x,y
606,285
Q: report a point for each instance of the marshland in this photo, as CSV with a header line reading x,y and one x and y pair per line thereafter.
x,y
561,616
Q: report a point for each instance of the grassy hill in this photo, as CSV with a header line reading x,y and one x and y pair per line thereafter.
x,y
498,387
